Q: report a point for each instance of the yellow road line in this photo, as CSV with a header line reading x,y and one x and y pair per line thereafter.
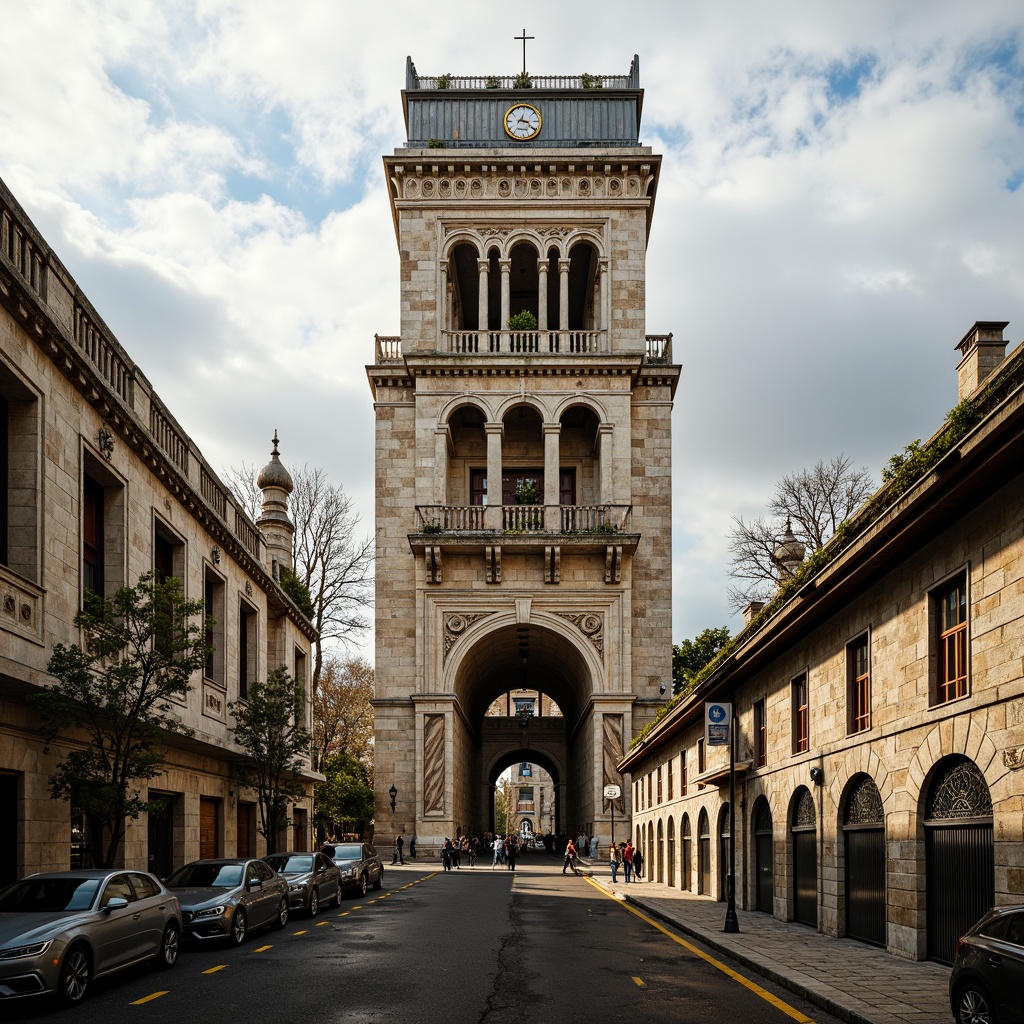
x,y
639,982
214,970
767,996
302,932
320,924
344,913
263,949
150,998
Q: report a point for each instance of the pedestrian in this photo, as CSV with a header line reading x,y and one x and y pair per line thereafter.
x,y
456,848
446,854
570,857
614,861
412,846
399,846
513,849
594,848
627,861
638,864
496,846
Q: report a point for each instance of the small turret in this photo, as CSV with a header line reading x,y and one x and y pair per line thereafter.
x,y
276,484
789,555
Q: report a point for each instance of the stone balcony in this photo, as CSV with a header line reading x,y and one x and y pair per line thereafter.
x,y
657,347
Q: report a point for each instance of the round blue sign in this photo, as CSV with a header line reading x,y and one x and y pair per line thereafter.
x,y
716,713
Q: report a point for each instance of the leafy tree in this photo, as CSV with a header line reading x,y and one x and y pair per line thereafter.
x,y
333,565
346,796
815,502
342,715
504,805
690,656
141,648
269,727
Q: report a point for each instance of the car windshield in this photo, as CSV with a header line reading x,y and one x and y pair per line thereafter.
x,y
46,895
218,876
351,851
296,864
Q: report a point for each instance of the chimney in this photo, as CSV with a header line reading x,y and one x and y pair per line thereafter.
x,y
983,350
751,610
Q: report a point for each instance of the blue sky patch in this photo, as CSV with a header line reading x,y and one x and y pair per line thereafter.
x,y
845,81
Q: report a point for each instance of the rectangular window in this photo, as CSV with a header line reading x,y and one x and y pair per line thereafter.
x,y
512,480
682,774
526,770
5,491
213,608
300,678
950,609
20,483
660,795
858,685
760,734
92,536
650,789
801,738
102,526
478,487
567,486
247,646
700,761
671,795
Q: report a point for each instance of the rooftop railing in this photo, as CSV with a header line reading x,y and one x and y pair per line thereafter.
x,y
657,347
413,80
524,519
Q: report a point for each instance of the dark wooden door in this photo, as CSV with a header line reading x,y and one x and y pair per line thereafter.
x,y
805,878
161,835
960,880
765,873
865,885
245,819
208,828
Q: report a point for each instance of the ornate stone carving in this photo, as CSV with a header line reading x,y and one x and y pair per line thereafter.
x,y
590,624
960,791
803,813
105,440
433,764
470,186
1013,758
456,623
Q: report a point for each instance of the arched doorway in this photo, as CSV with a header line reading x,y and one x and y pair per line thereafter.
x,y
724,840
764,897
671,852
804,836
703,854
959,855
659,875
686,882
648,864
864,856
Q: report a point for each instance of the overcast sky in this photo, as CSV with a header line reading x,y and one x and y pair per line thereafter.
x,y
840,200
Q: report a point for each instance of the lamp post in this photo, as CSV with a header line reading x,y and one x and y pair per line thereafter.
x,y
393,793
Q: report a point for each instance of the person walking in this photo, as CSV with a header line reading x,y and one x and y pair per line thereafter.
x,y
627,861
397,858
497,847
614,861
638,864
570,858
513,849
412,846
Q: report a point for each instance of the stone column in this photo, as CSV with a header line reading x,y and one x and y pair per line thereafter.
x,y
506,270
445,296
542,295
552,436
442,445
492,514
483,267
563,295
604,285
606,437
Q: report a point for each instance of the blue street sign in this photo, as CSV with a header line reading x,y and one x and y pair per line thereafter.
x,y
717,723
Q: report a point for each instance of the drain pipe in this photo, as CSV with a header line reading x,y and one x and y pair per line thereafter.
x,y
818,778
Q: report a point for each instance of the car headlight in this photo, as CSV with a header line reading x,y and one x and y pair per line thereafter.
x,y
211,912
300,887
353,872
19,951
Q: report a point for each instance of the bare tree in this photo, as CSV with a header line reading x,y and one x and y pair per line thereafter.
x,y
334,565
813,503
342,715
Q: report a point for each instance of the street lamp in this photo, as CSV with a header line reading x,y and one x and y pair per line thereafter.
x,y
393,793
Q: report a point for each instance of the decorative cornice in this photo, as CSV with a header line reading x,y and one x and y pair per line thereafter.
x,y
456,623
590,624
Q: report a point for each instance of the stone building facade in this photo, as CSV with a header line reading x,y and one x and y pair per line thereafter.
x,y
99,483
879,704
523,500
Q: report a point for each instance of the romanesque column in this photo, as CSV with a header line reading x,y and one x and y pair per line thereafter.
x,y
563,295
492,515
542,295
552,510
506,270
605,294
445,299
606,436
483,266
442,444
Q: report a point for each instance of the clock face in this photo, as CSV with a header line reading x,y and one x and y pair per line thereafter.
x,y
522,122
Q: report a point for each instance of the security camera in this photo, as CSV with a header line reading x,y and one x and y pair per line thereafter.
x,y
661,689
817,775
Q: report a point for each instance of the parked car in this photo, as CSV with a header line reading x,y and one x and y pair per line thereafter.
x,y
62,929
313,878
987,982
360,866
229,896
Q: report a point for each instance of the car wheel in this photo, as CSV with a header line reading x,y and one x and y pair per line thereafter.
x,y
75,975
973,1005
282,913
362,885
380,880
314,902
335,900
167,955
239,925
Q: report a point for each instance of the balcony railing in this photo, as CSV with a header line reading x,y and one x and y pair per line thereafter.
x,y
657,347
528,519
413,80
524,342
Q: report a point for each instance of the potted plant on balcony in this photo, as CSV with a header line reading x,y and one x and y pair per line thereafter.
x,y
527,494
525,322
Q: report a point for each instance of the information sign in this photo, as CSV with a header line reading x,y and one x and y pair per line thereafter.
x,y
717,723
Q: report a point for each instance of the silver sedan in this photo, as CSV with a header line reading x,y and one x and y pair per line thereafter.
x,y
60,930
313,879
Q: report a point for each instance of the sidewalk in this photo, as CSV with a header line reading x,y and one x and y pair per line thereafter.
x,y
852,981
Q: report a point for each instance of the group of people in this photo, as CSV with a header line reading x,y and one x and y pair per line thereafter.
x,y
398,856
627,857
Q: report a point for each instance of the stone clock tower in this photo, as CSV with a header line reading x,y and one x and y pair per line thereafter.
x,y
523,445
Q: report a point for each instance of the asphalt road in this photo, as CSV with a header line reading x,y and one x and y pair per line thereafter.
x,y
474,945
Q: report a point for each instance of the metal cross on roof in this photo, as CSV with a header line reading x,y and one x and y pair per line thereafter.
x,y
523,37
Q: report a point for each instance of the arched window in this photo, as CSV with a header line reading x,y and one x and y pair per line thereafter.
x,y
703,854
864,861
686,882
803,833
671,852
